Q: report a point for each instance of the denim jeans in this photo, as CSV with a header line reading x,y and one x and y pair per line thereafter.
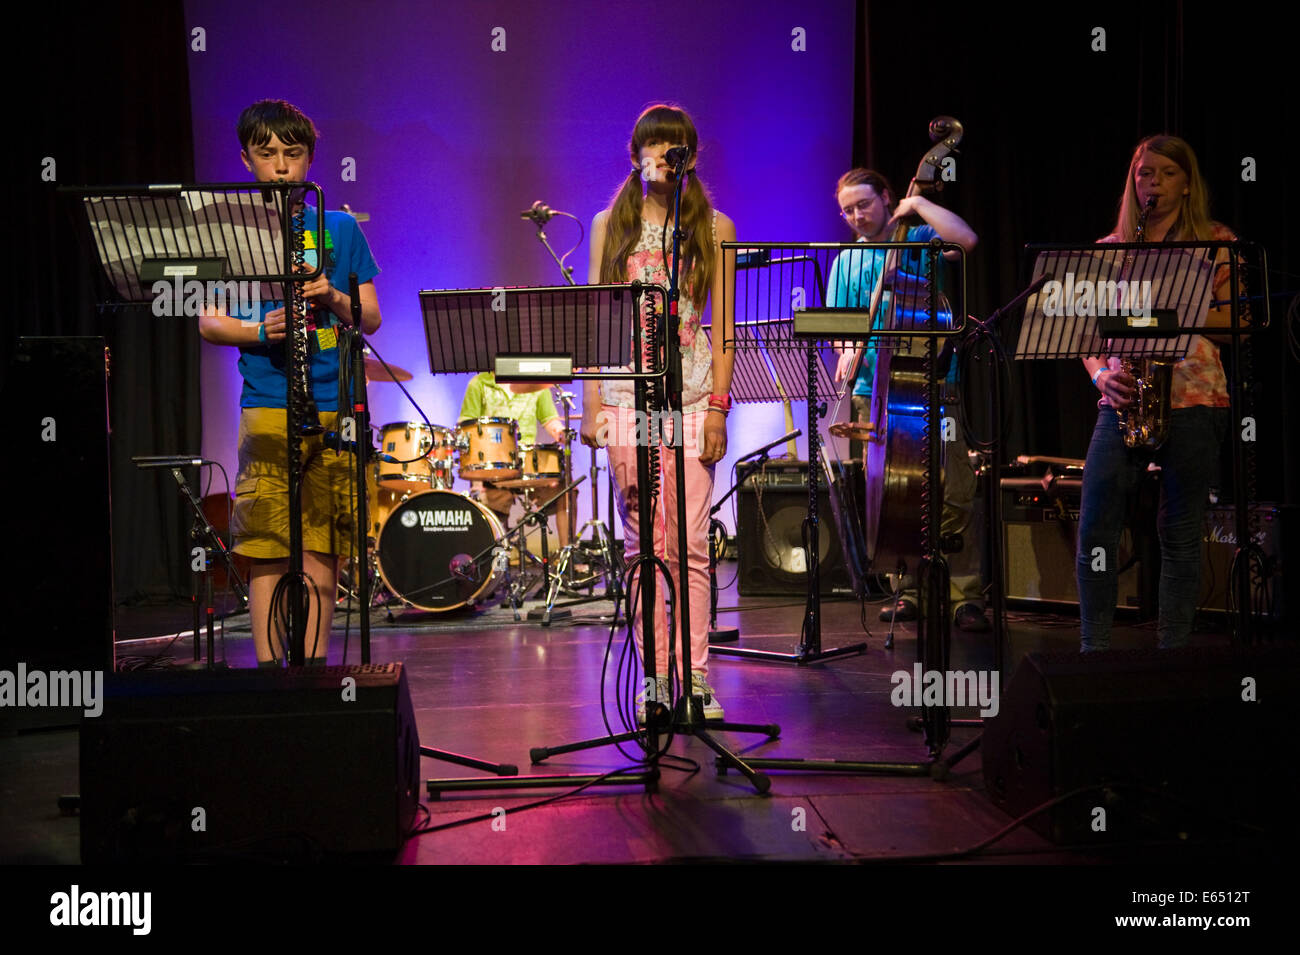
x,y
1188,463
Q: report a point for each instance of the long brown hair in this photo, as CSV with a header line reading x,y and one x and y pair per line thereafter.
x,y
667,124
1193,222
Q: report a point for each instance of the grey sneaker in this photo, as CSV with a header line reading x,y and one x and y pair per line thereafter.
x,y
661,693
700,687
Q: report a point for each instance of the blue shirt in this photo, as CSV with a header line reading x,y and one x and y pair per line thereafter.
x,y
262,366
853,278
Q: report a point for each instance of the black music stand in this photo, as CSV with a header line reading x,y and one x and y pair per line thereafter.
x,y
791,272
155,238
543,334
767,356
552,329
1157,320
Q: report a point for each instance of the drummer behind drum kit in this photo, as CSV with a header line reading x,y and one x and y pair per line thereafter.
x,y
435,548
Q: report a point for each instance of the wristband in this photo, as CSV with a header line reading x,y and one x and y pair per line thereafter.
x,y
261,332
721,402
722,411
1097,374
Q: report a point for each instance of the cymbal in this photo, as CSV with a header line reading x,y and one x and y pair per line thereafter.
x,y
375,371
854,430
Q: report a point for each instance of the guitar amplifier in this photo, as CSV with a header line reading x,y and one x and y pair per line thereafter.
x,y
1274,532
772,506
1039,533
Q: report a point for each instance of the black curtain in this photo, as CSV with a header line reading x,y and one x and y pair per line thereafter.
x,y
109,105
1050,126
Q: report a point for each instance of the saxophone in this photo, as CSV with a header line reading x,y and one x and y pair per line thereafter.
x,y
1144,422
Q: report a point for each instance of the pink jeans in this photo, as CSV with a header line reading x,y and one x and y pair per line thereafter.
x,y
621,438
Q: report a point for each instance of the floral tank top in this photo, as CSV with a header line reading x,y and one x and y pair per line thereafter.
x,y
645,263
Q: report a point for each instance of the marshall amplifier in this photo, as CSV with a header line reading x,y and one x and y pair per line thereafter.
x,y
773,502
1273,528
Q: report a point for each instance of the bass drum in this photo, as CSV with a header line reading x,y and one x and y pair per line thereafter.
x,y
435,551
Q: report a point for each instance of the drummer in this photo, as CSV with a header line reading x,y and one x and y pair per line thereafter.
x,y
529,404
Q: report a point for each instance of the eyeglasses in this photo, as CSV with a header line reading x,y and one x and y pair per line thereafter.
x,y
858,208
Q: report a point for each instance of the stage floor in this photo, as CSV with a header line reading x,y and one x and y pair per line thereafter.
x,y
487,686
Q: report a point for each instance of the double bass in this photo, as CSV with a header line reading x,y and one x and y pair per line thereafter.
x,y
896,465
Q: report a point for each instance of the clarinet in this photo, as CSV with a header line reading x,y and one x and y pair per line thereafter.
x,y
303,406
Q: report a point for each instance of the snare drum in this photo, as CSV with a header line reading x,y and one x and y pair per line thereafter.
x,y
436,551
541,465
488,449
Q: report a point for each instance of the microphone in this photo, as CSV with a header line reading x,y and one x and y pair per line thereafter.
x,y
678,155
462,568
768,447
167,461
539,212
354,292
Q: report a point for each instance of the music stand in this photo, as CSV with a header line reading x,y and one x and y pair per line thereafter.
x,y
1146,300
518,334
796,273
767,355
155,241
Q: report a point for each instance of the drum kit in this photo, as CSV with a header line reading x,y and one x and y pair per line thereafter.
x,y
437,549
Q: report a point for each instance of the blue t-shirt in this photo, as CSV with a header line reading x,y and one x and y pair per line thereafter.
x,y
853,278
262,366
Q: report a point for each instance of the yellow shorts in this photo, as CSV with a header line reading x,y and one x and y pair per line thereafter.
x,y
260,525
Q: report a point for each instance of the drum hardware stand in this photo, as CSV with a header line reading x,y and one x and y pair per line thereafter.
x,y
718,532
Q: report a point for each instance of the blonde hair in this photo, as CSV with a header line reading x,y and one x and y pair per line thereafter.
x,y
1193,222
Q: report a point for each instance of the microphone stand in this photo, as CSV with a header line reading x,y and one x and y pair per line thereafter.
x,y
361,440
717,528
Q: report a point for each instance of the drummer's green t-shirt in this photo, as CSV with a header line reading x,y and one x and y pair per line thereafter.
x,y
484,398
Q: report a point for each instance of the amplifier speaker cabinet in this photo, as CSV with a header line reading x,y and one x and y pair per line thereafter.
x,y
59,552
770,537
1039,533
245,764
1158,743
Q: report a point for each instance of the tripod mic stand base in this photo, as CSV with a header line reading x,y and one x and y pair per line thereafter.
x,y
724,635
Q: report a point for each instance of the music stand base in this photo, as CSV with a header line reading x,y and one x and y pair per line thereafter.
x,y
801,657
648,778
469,762
724,635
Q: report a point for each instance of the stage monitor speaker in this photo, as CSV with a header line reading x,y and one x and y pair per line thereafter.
x,y
769,532
249,764
1039,533
1161,741
58,550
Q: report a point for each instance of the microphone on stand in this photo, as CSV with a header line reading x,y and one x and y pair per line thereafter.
x,y
539,212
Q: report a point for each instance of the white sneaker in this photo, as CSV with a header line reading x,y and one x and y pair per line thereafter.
x,y
700,687
661,694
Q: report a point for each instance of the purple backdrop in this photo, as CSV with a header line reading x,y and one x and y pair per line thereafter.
x,y
451,139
